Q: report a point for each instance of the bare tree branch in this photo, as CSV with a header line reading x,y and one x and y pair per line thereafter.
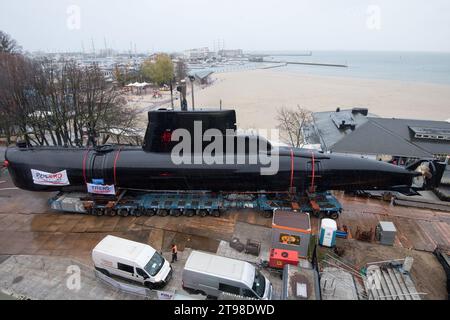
x,y
291,123
57,102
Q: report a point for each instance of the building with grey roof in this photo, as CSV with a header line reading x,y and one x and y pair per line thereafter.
x,y
355,131
201,76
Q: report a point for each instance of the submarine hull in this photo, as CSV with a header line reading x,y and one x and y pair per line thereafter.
x,y
72,169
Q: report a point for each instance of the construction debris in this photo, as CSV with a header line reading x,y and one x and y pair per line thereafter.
x,y
363,235
300,283
388,280
340,281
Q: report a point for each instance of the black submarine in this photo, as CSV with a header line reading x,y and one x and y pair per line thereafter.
x,y
151,167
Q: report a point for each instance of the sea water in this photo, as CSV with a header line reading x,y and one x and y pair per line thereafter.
x,y
428,67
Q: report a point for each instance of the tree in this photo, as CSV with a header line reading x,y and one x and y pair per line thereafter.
x,y
291,123
16,74
120,75
180,70
123,76
105,111
59,103
160,70
8,44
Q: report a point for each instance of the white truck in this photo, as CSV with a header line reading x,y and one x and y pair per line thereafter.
x,y
131,260
210,275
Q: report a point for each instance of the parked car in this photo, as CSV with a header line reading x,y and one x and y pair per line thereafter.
x,y
131,260
211,275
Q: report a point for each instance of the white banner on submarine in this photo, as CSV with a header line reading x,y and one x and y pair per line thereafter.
x,y
50,179
101,189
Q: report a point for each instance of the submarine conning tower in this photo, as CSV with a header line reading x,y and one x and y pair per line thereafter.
x,y
162,123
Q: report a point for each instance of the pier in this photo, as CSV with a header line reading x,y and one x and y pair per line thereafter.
x,y
310,64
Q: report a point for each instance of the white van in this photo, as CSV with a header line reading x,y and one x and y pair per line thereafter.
x,y
131,260
210,275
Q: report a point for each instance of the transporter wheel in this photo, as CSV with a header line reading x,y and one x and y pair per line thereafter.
x,y
190,291
189,212
148,284
112,212
202,212
99,212
136,212
163,212
123,212
150,212
176,212
267,213
215,213
334,215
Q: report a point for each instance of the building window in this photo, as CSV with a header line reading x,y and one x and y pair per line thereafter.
x,y
289,239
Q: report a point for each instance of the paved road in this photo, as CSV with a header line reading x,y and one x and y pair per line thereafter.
x,y
54,278
2,154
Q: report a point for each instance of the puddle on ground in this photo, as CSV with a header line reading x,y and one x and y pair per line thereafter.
x,y
17,279
183,240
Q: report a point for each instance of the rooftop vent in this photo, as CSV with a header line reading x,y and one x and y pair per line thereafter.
x,y
343,120
436,134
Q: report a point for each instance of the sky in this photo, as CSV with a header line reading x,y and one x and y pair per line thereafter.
x,y
252,25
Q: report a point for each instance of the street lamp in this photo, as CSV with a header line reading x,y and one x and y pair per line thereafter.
x,y
182,90
192,78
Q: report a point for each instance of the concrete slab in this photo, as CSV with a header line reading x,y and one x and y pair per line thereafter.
x,y
244,231
336,284
39,277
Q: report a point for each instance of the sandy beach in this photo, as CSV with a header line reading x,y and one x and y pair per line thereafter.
x,y
256,95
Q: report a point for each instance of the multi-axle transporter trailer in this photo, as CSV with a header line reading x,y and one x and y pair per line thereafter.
x,y
132,203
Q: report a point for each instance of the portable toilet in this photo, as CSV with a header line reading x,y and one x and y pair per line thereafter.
x,y
328,229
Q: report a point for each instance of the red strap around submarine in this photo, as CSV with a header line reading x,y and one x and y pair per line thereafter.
x,y
313,171
115,165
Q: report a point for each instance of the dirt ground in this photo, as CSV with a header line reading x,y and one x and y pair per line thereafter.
x,y
28,226
420,229
427,273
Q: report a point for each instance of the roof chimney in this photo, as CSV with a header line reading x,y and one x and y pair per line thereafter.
x,y
363,111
